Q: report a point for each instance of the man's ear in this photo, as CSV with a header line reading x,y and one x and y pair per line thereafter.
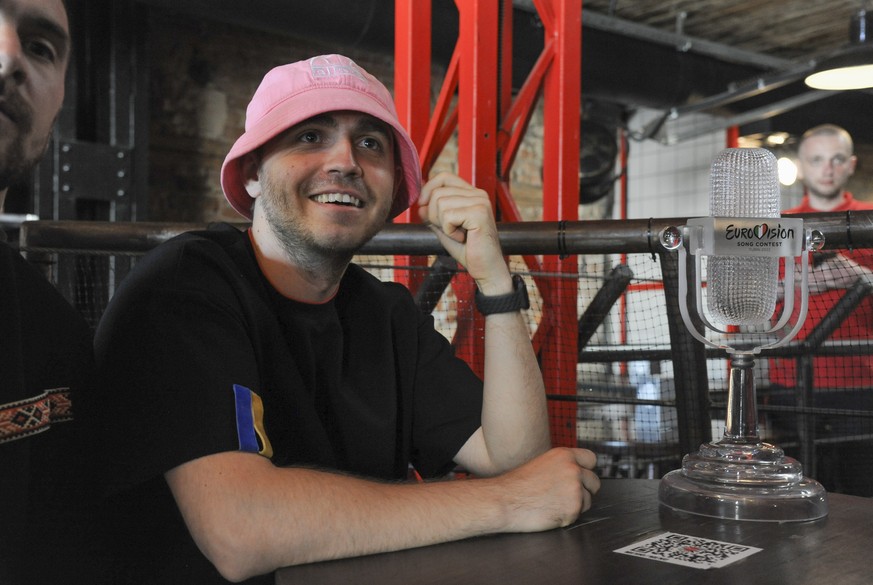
x,y
250,166
253,188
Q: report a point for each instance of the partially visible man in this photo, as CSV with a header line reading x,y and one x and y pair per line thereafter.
x,y
826,162
45,346
34,50
265,397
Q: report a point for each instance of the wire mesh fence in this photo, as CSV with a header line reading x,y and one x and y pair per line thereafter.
x,y
622,378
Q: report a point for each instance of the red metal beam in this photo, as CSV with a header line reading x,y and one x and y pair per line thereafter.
x,y
478,25
445,117
478,34
412,38
490,127
562,94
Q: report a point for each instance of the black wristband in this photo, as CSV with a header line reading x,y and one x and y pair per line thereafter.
x,y
508,303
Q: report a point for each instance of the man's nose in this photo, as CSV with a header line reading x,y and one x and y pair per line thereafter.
x,y
10,53
342,158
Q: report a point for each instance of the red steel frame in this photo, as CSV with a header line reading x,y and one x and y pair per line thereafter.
x,y
476,100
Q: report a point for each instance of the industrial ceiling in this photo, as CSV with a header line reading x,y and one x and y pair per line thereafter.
x,y
741,60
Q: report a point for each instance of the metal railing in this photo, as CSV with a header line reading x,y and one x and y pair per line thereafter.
x,y
112,248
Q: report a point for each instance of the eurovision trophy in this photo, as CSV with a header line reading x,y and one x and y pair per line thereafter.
x,y
741,477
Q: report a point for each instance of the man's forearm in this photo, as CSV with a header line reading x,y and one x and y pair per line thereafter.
x,y
515,421
271,517
249,517
514,418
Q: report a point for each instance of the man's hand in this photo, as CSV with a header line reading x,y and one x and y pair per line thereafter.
x,y
463,219
296,515
549,491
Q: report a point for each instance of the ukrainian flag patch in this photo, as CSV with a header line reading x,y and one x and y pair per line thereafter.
x,y
250,422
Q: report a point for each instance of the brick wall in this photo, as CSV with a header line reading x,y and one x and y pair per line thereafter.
x,y
202,77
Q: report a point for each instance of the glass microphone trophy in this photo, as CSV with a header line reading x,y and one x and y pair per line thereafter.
x,y
741,477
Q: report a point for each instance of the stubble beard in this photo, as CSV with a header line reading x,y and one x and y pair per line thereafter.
x,y
15,168
828,195
303,247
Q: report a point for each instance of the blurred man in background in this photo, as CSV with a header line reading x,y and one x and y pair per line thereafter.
x,y
826,161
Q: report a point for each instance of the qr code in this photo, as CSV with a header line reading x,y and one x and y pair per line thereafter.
x,y
690,551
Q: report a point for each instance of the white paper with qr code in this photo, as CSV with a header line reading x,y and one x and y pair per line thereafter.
x,y
690,551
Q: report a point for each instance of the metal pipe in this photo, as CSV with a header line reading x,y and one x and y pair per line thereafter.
x,y
14,220
608,236
435,283
838,313
598,309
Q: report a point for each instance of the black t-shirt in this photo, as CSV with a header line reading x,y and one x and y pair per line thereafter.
x,y
47,363
196,344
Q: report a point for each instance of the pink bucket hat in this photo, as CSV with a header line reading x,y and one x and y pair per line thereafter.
x,y
290,94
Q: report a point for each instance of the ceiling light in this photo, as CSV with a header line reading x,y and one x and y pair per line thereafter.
x,y
778,138
851,68
787,171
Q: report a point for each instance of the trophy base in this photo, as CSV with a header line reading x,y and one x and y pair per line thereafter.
x,y
738,481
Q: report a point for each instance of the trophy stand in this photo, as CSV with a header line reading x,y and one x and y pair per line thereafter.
x,y
740,477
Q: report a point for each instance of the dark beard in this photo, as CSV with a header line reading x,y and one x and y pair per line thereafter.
x,y
15,167
301,247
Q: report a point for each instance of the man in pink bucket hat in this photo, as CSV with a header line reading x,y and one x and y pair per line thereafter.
x,y
266,396
293,93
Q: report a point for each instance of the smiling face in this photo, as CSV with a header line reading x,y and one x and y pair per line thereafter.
x,y
326,186
34,50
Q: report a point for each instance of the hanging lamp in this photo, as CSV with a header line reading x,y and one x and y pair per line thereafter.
x,y
852,67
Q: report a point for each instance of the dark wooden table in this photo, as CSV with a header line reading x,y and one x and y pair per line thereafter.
x,y
835,550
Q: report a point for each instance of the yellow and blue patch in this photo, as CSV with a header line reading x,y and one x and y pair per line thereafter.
x,y
250,422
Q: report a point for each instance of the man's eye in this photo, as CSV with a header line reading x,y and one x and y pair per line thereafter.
x,y
309,136
43,50
371,143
